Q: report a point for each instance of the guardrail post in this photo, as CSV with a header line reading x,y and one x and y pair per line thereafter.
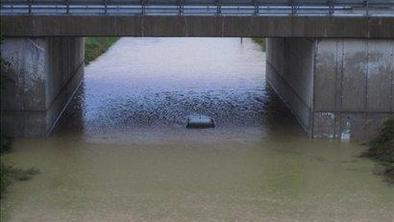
x,y
331,7
366,5
67,6
180,7
218,7
142,7
105,7
256,7
29,2
293,7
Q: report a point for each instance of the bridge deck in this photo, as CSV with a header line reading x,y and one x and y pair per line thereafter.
x,y
199,18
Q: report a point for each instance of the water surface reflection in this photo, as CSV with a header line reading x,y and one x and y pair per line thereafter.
x,y
150,86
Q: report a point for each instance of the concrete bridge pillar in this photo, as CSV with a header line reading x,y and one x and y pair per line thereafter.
x,y
337,88
43,75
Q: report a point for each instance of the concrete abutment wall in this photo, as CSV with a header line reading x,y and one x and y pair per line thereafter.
x,y
44,73
337,88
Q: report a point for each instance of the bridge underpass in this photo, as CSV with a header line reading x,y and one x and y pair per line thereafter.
x,y
333,65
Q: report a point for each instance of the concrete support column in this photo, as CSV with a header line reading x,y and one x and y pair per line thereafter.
x,y
44,73
337,88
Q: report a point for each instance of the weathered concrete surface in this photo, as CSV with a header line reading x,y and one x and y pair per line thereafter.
x,y
45,72
337,88
198,26
289,71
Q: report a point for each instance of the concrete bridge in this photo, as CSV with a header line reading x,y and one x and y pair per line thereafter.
x,y
331,61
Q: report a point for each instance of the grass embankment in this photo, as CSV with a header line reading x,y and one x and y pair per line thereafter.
x,y
382,149
9,173
261,42
95,46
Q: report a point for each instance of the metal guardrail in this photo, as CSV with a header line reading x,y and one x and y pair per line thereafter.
x,y
199,7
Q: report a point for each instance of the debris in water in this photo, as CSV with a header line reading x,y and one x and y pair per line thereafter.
x,y
200,121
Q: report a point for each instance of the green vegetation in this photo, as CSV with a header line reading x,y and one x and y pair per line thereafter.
x,y
382,150
5,144
8,173
95,46
261,42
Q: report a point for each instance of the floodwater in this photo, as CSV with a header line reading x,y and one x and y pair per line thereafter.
x,y
121,152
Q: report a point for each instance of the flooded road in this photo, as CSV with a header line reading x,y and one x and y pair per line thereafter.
x,y
121,151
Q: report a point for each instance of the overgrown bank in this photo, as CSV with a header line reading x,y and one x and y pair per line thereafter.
x,y
9,173
261,42
382,149
95,46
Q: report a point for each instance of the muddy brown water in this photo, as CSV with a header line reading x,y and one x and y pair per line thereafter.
x,y
121,152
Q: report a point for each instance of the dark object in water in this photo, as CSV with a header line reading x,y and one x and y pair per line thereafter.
x,y
200,121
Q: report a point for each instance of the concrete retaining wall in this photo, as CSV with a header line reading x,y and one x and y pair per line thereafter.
x,y
353,87
43,75
337,88
289,72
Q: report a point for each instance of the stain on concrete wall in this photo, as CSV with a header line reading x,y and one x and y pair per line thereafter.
x,y
28,59
45,73
358,73
351,92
